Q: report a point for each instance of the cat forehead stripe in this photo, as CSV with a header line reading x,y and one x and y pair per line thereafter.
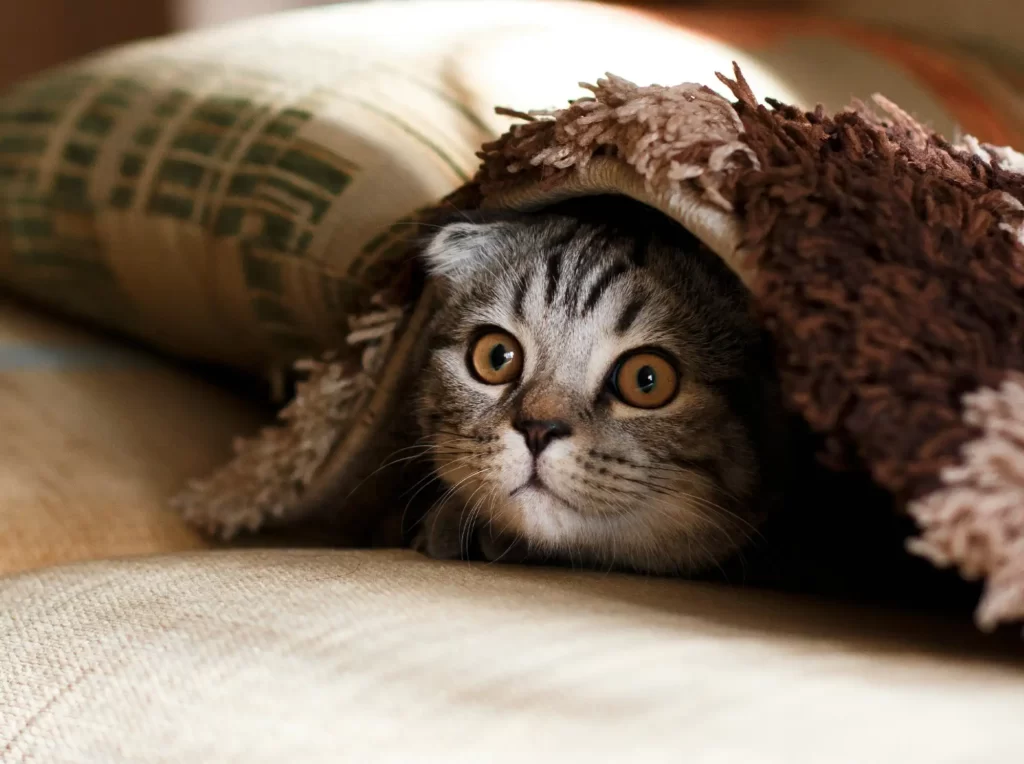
x,y
522,286
629,315
605,280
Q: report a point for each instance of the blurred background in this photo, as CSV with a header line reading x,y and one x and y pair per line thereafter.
x,y
36,34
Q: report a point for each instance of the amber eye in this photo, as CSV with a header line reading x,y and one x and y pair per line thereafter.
x,y
644,380
496,358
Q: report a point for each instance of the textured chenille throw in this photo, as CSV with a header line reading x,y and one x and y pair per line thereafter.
x,y
186,193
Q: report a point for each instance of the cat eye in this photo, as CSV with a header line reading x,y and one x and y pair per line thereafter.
x,y
644,380
496,358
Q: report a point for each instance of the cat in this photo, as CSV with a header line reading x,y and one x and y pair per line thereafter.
x,y
596,390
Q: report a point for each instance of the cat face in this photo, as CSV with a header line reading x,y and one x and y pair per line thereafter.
x,y
589,386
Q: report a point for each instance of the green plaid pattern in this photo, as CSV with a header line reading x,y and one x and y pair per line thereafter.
x,y
50,218
229,163
202,196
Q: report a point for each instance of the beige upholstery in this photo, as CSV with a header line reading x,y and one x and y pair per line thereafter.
x,y
374,656
95,438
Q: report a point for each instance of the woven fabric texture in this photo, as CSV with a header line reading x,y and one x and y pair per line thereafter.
x,y
96,437
389,657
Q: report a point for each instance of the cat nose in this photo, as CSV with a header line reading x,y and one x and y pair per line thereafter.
x,y
539,433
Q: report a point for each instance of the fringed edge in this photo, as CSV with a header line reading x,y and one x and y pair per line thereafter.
x,y
270,473
975,522
685,135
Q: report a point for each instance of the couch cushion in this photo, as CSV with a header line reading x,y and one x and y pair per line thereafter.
x,y
262,656
96,437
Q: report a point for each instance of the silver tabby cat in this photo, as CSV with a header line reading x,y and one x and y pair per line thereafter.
x,y
597,391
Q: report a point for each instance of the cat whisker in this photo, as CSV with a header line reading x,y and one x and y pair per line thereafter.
x,y
440,503
433,476
724,513
452,433
460,459
469,518
448,466
421,450
416,224
485,500
460,212
509,548
719,512
664,505
693,539
676,470
438,507
716,514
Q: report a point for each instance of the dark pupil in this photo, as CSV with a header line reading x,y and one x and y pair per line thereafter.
x,y
646,379
500,355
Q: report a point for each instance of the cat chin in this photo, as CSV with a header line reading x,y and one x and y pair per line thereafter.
x,y
550,523
543,518
552,526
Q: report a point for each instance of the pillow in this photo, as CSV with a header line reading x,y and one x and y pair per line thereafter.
x,y
236,194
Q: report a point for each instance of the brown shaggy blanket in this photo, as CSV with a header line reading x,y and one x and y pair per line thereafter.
x,y
887,263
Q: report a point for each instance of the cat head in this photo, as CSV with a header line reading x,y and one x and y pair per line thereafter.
x,y
597,386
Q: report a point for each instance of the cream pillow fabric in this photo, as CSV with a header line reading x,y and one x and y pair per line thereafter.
x,y
389,657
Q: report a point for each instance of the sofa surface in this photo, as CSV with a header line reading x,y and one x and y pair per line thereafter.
x,y
96,436
268,656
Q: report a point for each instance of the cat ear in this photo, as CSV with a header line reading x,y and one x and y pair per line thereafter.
x,y
460,249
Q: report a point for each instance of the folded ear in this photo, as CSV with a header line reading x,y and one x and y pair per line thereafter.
x,y
460,249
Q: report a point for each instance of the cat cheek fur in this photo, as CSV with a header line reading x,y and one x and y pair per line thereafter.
x,y
668,491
